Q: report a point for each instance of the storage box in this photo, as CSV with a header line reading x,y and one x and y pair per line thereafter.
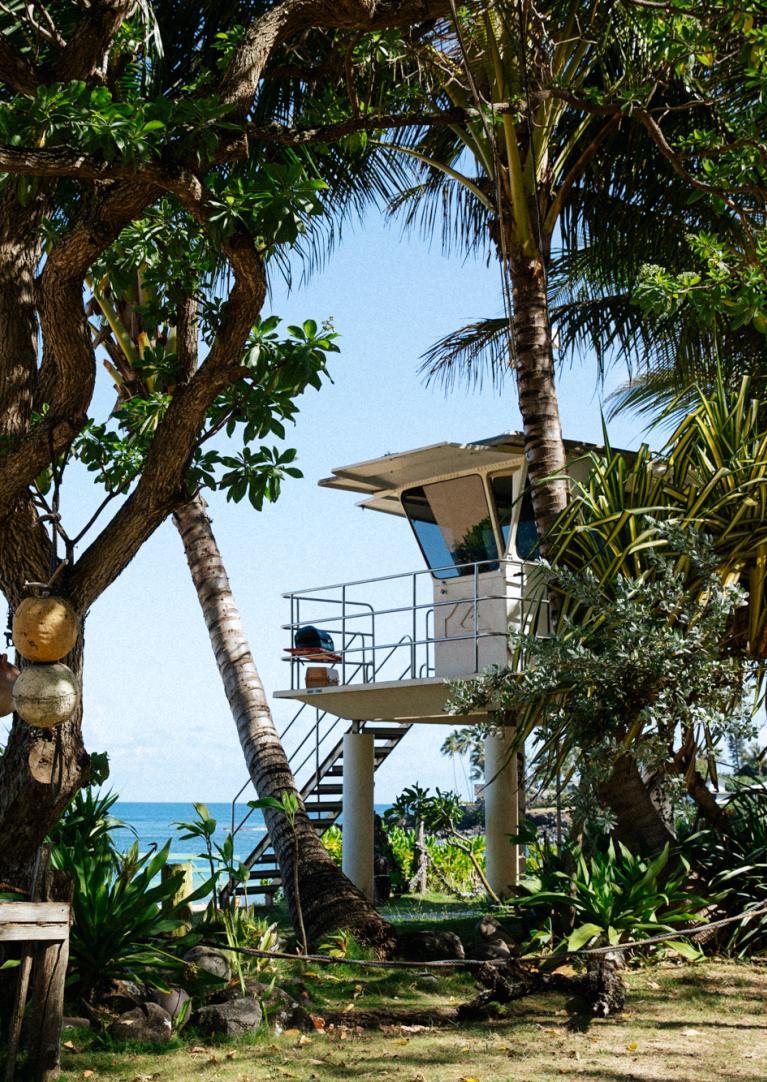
x,y
317,676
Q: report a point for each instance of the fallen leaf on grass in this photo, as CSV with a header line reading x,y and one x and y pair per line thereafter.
x,y
291,1033
632,1047
469,1078
403,1040
691,1033
318,1022
196,1048
303,1039
71,1046
88,1074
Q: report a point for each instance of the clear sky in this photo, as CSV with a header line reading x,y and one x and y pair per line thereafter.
x,y
153,698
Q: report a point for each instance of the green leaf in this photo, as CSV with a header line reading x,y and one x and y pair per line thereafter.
x,y
579,937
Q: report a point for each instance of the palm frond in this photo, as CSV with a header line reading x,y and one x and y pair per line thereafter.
x,y
476,352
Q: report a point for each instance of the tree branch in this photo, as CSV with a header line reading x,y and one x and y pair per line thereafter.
x,y
68,370
262,37
86,53
161,485
16,72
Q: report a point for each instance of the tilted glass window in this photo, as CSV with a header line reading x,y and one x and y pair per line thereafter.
x,y
527,541
502,488
452,522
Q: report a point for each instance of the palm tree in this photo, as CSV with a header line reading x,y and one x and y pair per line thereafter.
x,y
546,156
327,900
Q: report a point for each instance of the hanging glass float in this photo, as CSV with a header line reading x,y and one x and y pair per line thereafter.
x,y
44,628
8,676
46,695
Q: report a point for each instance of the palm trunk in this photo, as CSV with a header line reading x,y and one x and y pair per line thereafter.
x,y
639,823
329,901
544,448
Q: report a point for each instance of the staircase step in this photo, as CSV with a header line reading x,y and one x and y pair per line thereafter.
x,y
317,806
257,876
328,790
389,733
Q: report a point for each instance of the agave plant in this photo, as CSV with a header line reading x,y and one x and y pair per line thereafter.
x,y
121,915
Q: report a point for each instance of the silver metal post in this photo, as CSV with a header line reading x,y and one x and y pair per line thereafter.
x,y
476,618
413,672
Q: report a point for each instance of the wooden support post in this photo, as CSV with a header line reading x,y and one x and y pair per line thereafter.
x,y
48,1010
43,924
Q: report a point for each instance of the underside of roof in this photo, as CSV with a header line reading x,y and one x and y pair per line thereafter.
x,y
380,479
396,471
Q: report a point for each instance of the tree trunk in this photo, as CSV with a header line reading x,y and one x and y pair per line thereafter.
x,y
40,772
329,901
544,449
420,860
639,823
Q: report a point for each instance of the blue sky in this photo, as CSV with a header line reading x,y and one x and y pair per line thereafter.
x,y
152,695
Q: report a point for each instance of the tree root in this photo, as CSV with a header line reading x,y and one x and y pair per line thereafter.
x,y
600,989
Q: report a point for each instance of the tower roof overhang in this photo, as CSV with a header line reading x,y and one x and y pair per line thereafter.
x,y
382,479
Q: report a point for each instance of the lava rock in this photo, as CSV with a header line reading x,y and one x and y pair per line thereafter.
x,y
211,960
120,996
148,1023
490,949
426,945
492,930
173,1001
280,1010
230,1019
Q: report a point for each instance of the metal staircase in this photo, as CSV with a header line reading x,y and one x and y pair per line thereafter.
x,y
317,765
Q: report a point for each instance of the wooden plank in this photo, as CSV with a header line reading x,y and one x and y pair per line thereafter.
x,y
34,933
34,912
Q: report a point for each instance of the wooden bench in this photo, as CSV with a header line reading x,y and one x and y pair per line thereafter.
x,y
44,927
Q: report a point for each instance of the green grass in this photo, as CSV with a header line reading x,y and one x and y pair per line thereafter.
x,y
682,1024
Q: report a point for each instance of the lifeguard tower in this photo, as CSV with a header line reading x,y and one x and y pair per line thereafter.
x,y
396,640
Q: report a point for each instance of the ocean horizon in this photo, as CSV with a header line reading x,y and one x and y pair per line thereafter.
x,y
152,824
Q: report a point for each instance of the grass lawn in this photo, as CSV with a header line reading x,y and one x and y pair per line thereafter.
x,y
687,1023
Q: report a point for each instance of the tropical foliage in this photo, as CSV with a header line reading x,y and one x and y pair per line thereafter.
x,y
609,897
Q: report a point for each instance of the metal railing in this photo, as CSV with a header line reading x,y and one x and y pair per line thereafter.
x,y
399,615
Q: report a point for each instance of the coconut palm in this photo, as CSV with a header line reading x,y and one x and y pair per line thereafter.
x,y
544,157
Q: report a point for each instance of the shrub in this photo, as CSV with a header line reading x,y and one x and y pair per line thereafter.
x,y
611,897
735,865
118,915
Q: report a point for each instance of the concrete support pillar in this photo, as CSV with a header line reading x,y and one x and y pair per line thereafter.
x,y
501,813
358,823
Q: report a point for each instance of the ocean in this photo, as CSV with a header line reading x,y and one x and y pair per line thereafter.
x,y
152,824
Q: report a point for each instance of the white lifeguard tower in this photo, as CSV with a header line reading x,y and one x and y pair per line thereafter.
x,y
397,639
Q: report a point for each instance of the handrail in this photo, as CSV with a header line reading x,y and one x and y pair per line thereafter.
x,y
497,563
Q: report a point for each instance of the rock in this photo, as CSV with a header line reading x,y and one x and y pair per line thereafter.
x,y
493,948
75,1022
426,945
211,960
172,1001
280,1010
148,1023
121,996
231,1019
490,929
427,981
